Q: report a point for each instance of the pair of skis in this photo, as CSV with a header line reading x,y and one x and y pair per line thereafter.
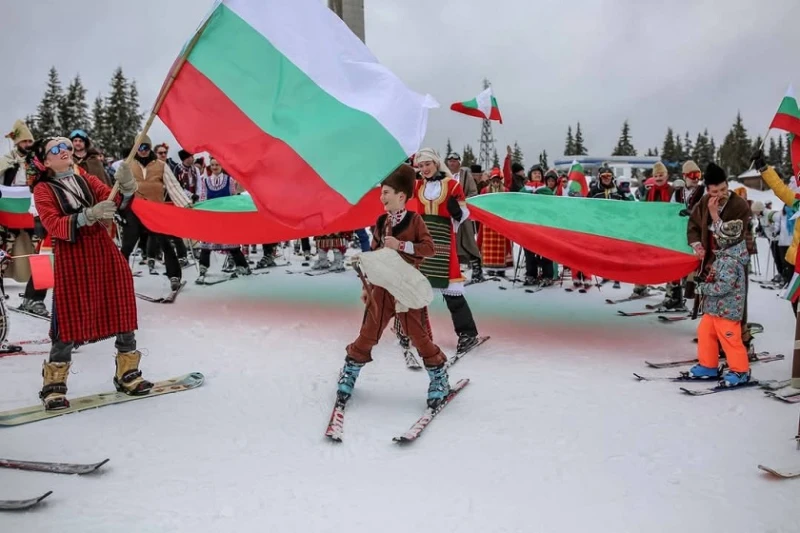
x,y
762,357
335,429
168,299
52,468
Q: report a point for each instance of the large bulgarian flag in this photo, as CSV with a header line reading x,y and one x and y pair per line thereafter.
x,y
482,106
635,242
14,205
294,106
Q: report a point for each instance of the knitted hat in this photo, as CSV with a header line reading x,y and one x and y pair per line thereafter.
x,y
757,208
19,132
146,140
183,154
551,175
516,167
690,166
714,175
402,179
659,167
729,233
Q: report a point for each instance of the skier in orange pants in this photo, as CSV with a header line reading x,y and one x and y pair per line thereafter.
x,y
724,291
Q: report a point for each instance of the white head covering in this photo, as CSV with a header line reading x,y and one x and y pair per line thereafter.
x,y
429,154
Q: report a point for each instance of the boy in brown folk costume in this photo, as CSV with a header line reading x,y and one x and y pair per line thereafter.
x,y
407,233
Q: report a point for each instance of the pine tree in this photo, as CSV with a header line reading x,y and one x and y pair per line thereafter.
x,y
712,155
30,120
624,144
668,149
734,154
543,160
569,148
116,116
516,154
788,169
47,121
700,149
781,152
99,130
773,156
74,111
652,152
688,148
448,149
135,115
580,148
495,160
679,154
468,157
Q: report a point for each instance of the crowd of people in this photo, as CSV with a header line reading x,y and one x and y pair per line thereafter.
x,y
71,184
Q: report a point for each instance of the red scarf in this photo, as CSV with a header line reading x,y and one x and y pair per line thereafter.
x,y
658,193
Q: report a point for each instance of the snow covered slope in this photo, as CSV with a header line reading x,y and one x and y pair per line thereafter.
x,y
552,435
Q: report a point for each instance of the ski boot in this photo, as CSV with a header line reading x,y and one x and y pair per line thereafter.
x,y
347,379
183,262
174,284
699,371
587,285
338,261
530,281
439,387
128,378
242,271
228,266
322,262
477,271
6,347
201,279
54,386
732,379
35,307
641,291
265,262
546,282
616,285
672,305
466,342
577,283
151,267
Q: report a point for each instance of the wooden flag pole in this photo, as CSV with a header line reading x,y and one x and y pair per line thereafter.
x,y
162,95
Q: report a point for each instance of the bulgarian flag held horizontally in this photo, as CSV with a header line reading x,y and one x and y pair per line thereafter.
x,y
294,106
482,106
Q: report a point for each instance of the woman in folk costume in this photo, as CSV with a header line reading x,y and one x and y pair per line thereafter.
x,y
218,184
336,242
93,298
441,202
496,249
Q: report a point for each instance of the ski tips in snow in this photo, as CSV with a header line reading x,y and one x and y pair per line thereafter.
x,y
53,468
419,426
784,473
21,505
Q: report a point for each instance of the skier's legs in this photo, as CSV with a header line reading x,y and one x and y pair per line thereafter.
x,y
707,343
205,258
414,324
238,257
376,318
130,233
729,334
463,322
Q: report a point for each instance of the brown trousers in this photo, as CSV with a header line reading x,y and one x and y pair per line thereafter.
x,y
378,316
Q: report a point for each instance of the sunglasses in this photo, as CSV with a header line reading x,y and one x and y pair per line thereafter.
x,y
692,175
144,147
161,153
606,175
60,147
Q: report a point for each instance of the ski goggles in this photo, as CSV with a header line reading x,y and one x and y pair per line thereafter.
x,y
144,147
692,175
606,175
60,147
78,133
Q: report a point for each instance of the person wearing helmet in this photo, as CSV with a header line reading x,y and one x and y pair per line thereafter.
x,y
535,178
86,156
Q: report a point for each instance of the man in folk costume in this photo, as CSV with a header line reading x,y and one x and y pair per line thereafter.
x,y
466,247
155,182
210,187
93,298
13,168
407,233
719,205
86,158
442,204
495,249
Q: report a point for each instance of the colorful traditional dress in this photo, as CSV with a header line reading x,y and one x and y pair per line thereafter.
x,y
213,187
495,249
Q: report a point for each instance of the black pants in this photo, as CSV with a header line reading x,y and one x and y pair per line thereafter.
x,y
131,234
461,314
180,247
784,267
236,254
535,262
305,244
269,249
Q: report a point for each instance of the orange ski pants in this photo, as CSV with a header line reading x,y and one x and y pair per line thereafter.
x,y
714,332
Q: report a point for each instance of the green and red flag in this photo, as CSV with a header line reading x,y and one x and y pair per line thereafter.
x,y
235,220
788,116
482,106
634,242
577,175
294,106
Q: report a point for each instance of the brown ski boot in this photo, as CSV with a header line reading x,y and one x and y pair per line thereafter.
x,y
128,378
54,386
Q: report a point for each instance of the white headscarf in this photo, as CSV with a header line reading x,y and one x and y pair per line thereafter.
x,y
429,154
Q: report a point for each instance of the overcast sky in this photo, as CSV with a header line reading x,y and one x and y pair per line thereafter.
x,y
689,64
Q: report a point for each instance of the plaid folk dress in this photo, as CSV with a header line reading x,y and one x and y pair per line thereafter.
x,y
495,249
93,296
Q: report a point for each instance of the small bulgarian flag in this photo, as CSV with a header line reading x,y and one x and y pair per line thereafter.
x,y
792,292
482,106
14,206
788,116
42,267
576,175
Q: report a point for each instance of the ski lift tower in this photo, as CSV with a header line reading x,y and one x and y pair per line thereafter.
x,y
487,148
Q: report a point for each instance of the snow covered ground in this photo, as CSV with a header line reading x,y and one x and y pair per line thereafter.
x,y
553,434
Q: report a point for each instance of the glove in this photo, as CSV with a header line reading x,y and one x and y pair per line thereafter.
x,y
454,209
684,213
124,176
758,160
104,210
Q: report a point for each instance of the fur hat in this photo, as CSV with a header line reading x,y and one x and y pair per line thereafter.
x,y
714,175
660,167
690,166
402,179
19,132
729,233
476,169
183,155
